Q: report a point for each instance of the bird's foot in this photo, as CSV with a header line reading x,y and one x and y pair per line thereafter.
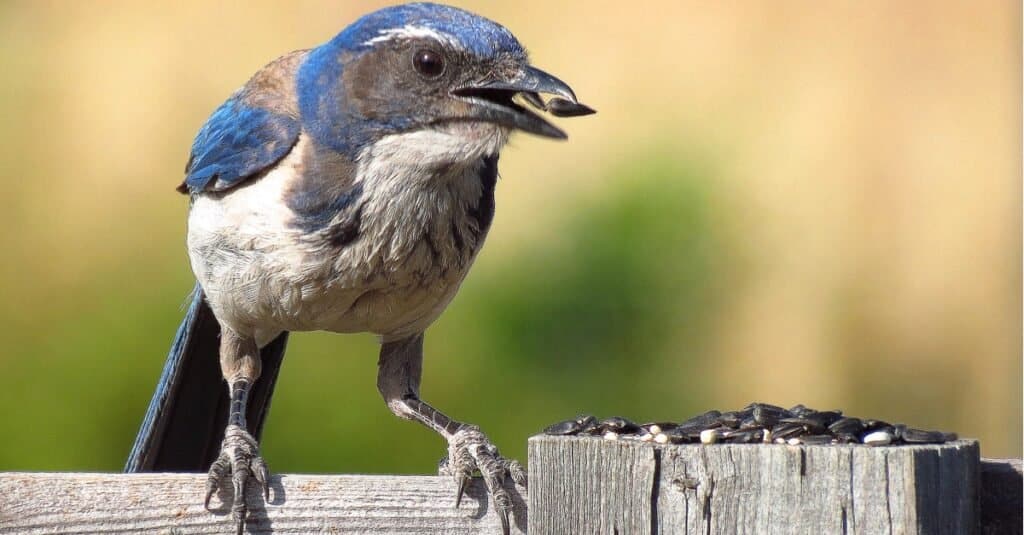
x,y
470,450
239,457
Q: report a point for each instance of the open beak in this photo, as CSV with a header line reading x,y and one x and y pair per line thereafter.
x,y
493,101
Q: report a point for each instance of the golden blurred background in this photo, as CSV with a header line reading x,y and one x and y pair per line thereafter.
x,y
792,202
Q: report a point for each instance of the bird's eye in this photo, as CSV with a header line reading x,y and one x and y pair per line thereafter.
x,y
428,63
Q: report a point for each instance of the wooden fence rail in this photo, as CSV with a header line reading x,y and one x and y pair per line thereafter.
x,y
577,485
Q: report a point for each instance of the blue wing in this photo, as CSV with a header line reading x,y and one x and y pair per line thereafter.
x,y
238,141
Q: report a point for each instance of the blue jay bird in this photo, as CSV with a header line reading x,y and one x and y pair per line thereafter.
x,y
345,188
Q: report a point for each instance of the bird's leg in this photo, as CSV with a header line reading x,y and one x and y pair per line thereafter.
x,y
239,453
398,379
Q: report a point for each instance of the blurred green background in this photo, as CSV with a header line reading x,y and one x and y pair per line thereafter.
x,y
779,201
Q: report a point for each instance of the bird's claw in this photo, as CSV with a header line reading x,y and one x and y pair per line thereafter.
x,y
239,458
470,450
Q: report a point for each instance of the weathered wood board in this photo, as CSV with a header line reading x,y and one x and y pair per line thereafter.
x,y
171,504
595,486
578,485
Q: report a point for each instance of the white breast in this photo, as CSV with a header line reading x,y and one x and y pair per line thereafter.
x,y
262,275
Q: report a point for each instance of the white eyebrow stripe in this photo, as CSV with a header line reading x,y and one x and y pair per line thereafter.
x,y
410,31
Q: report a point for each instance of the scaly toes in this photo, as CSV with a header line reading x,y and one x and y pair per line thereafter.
x,y
515,470
218,470
262,475
239,458
469,450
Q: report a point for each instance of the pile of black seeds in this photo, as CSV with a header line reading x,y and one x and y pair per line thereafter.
x,y
756,423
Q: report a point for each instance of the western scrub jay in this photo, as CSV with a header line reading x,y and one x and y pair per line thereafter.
x,y
344,188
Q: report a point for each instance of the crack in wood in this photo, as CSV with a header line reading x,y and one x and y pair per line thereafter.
x,y
655,486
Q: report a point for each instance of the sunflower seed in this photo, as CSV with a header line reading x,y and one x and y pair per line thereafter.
x,y
710,436
919,436
765,406
744,436
700,422
878,438
768,415
846,425
873,425
811,425
846,438
618,424
786,430
731,419
560,107
588,424
568,427
750,423
799,410
824,418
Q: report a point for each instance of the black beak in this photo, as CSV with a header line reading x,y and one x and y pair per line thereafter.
x,y
494,102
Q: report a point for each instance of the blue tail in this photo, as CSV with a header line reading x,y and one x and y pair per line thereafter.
x,y
184,424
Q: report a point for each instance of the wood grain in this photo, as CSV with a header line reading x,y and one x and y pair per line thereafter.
x,y
578,485
751,488
590,486
171,504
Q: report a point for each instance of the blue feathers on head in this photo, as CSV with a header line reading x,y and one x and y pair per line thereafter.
x,y
322,97
473,33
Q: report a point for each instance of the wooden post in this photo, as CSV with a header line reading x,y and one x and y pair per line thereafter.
x,y
592,485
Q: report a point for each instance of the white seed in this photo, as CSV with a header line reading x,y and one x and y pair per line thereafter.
x,y
780,441
661,438
611,435
793,441
709,436
646,437
654,429
878,438
767,436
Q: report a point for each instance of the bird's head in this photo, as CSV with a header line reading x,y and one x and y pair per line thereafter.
x,y
444,77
